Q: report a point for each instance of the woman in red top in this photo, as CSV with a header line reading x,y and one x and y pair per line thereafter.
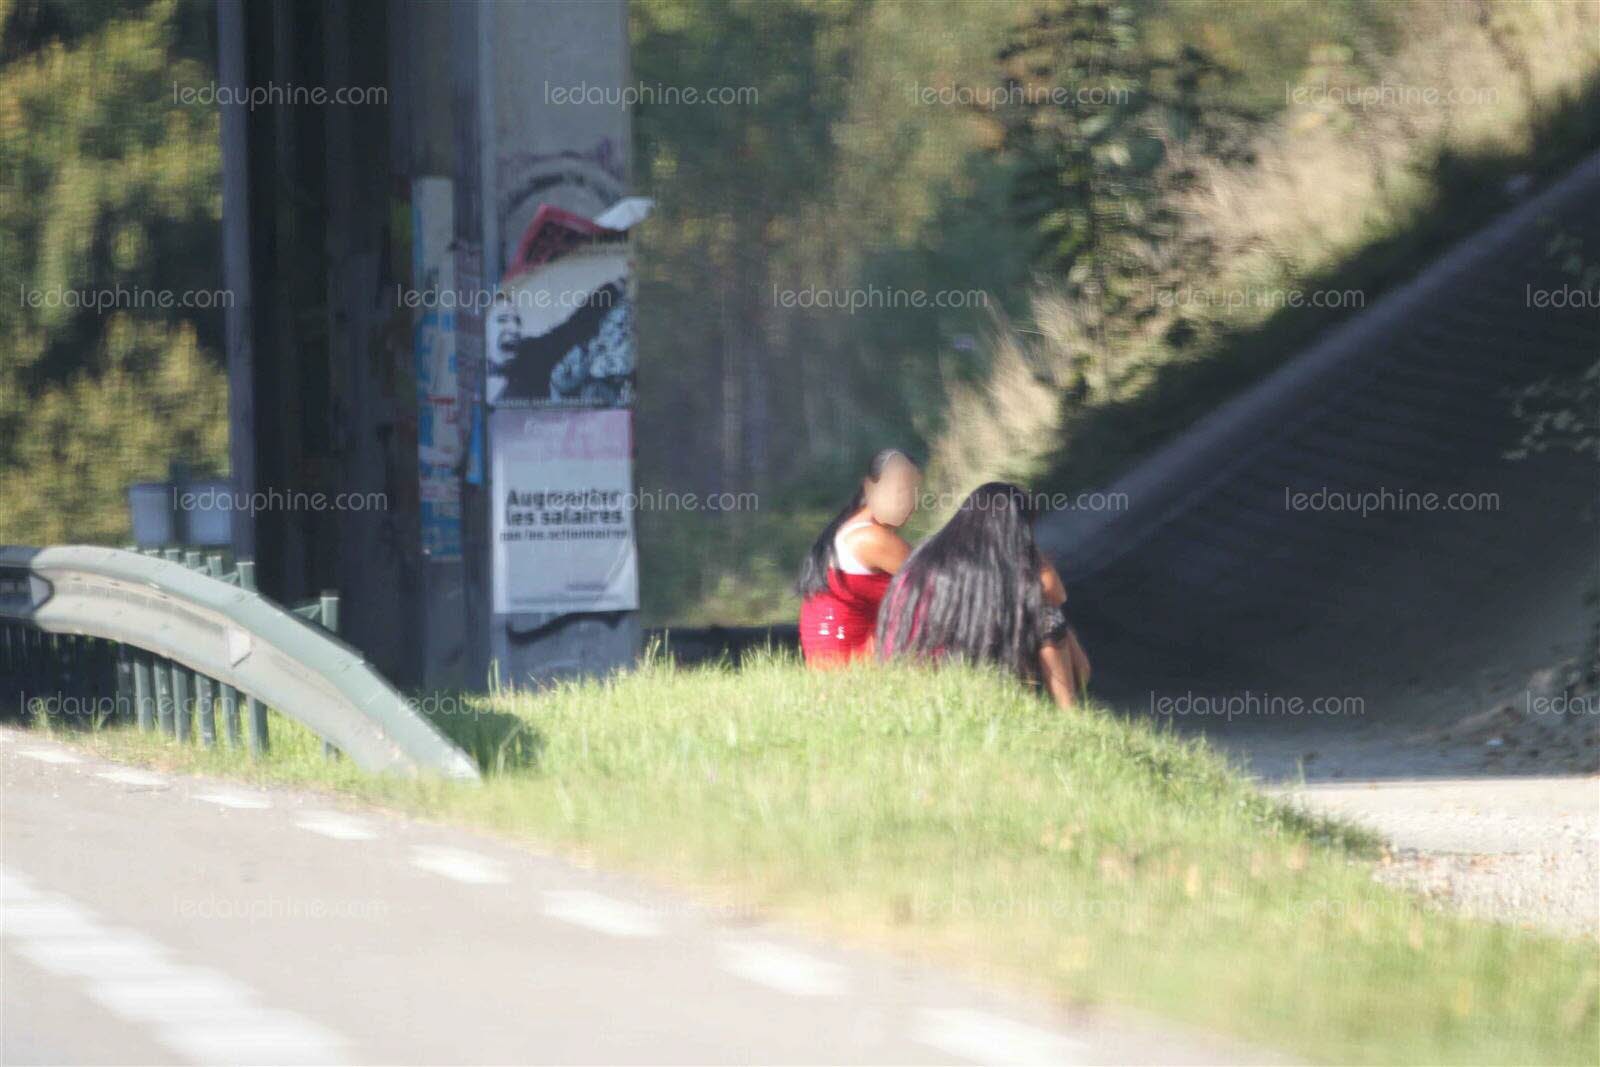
x,y
848,568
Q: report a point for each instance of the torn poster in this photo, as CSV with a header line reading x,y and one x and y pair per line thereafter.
x,y
561,327
441,432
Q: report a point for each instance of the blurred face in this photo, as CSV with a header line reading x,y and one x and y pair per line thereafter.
x,y
893,497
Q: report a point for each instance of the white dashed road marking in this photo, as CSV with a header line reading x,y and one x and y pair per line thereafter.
x,y
785,969
176,993
336,825
132,776
599,912
198,1013
44,917
243,801
261,1037
50,755
115,954
459,864
986,1038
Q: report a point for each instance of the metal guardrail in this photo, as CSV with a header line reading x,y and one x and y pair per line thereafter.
x,y
171,642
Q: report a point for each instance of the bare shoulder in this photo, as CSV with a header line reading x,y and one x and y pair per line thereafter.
x,y
872,535
878,546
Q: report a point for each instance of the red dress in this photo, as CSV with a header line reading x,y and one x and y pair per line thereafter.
x,y
837,626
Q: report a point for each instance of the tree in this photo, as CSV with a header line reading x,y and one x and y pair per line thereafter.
x,y
1094,121
109,203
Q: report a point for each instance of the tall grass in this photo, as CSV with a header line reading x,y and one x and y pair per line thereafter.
x,y
957,817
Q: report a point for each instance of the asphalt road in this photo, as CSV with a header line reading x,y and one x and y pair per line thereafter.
x,y
151,919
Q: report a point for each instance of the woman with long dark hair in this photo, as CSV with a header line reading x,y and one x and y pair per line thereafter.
x,y
844,576
980,590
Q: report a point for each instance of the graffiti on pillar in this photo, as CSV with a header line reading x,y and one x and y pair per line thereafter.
x,y
584,182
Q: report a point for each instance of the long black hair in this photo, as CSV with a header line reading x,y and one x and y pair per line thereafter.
x,y
814,568
972,591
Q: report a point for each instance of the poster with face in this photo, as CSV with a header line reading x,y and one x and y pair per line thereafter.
x,y
563,336
561,328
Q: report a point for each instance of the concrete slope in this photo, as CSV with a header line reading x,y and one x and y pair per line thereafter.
x,y
1217,581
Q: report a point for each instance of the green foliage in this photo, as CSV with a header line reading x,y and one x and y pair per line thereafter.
x,y
1091,115
109,203
706,570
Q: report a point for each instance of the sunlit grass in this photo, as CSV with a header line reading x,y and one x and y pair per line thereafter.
x,y
956,816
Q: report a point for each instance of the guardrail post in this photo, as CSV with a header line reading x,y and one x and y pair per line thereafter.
x,y
102,675
143,694
63,675
44,675
156,680
177,677
19,667
13,659
60,671
98,664
92,658
227,695
164,716
27,666
204,708
47,666
23,672
50,678
27,676
182,725
24,669
18,670
126,708
8,659
50,669
13,653
259,742
127,699
44,666
328,602
86,668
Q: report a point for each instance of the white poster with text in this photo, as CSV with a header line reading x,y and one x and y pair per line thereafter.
x,y
562,485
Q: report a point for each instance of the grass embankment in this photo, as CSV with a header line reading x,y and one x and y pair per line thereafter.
x,y
955,815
